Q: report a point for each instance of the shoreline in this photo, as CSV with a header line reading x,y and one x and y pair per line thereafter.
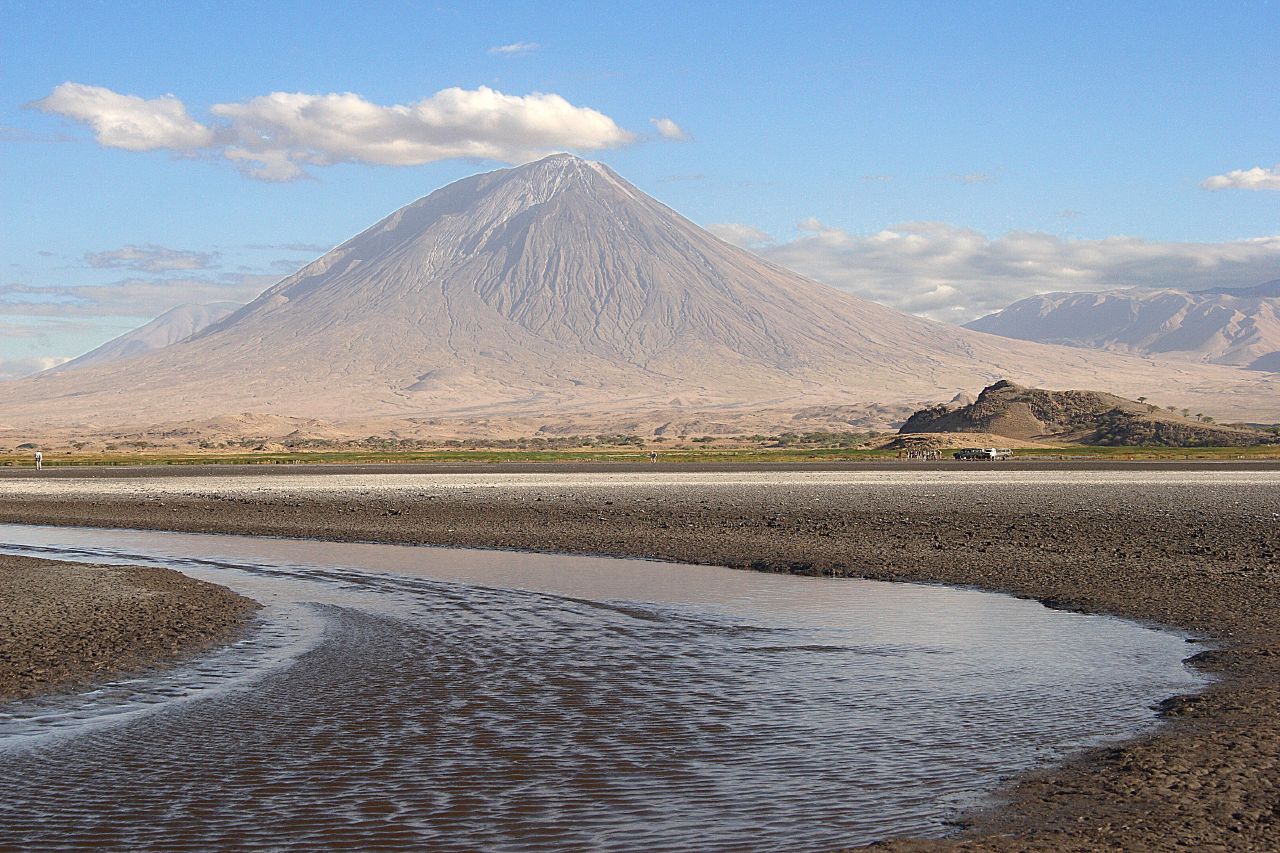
x,y
1203,558
73,625
53,470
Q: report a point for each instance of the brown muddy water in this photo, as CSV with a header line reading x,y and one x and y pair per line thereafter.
x,y
398,697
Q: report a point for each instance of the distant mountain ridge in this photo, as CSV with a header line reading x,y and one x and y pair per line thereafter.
x,y
1267,290
556,290
1234,326
176,324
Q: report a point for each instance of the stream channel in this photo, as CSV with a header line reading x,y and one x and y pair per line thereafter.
x,y
421,698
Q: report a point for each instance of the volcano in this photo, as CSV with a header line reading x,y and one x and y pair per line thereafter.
x,y
557,287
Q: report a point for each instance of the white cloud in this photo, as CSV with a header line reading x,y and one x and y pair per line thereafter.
x,y
956,274
17,367
276,137
740,235
278,134
128,121
133,297
669,129
515,48
1256,178
151,258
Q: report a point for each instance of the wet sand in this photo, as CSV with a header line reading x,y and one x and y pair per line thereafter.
x,y
1195,547
70,625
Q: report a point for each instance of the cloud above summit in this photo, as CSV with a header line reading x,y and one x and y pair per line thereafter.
x,y
1256,178
668,129
279,136
128,121
514,49
957,274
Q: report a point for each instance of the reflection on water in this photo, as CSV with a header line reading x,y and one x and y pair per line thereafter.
x,y
419,698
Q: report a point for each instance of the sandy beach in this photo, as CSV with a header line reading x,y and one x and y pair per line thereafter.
x,y
1192,547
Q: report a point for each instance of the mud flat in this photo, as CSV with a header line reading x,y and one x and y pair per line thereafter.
x,y
1197,549
69,625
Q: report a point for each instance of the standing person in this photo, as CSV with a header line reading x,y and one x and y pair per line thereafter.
x,y
39,460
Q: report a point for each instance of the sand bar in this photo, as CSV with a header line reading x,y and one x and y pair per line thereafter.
x,y
69,625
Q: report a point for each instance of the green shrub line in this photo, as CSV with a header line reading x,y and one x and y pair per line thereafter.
x,y
778,452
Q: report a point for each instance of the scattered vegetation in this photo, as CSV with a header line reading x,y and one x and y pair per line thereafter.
x,y
699,454
825,439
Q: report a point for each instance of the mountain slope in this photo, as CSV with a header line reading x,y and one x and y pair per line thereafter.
x,y
174,325
1238,327
555,288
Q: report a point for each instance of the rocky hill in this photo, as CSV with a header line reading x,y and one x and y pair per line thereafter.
x,y
557,291
1224,326
1078,417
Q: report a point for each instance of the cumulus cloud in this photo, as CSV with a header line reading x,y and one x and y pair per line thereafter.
x,y
1256,178
957,274
128,121
514,48
278,134
668,129
276,137
151,258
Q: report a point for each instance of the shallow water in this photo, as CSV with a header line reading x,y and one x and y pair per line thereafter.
x,y
425,698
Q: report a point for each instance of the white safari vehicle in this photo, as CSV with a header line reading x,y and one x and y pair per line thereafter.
x,y
986,454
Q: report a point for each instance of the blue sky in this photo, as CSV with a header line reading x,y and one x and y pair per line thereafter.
x,y
943,158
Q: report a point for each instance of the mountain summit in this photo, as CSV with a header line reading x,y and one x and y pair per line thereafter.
x,y
552,287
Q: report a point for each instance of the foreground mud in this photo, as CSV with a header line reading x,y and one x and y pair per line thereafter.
x,y
1198,553
67,625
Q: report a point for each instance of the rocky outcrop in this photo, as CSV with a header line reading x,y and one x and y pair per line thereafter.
x,y
1083,417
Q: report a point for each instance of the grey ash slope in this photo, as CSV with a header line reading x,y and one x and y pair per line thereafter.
x,y
551,288
1222,326
176,324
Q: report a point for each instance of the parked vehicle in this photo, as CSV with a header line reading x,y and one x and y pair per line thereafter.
x,y
986,454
